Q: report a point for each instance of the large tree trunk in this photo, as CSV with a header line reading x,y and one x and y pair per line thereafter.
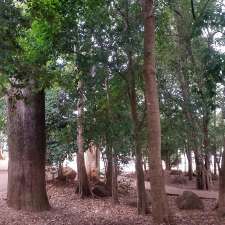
x,y
83,183
160,210
26,142
142,206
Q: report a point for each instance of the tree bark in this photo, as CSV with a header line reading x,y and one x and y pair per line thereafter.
x,y
60,171
83,183
109,169
160,210
142,206
27,145
189,158
115,198
168,161
215,164
221,199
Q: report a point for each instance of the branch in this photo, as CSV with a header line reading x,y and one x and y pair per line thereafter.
x,y
193,9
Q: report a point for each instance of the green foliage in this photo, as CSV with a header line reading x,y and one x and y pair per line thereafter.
x,y
59,42
60,126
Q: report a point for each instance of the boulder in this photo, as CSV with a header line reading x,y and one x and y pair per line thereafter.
x,y
100,191
189,200
179,180
68,175
124,185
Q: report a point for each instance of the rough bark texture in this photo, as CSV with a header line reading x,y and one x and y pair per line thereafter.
x,y
26,142
160,209
83,183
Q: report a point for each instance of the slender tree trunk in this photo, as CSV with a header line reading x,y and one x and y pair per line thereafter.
x,y
27,144
184,50
189,158
208,177
221,199
84,189
200,170
60,171
215,164
109,169
168,161
160,210
142,206
110,175
115,197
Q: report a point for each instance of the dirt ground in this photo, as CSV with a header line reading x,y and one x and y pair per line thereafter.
x,y
67,208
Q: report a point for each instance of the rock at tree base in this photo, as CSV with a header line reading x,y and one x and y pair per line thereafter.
x,y
68,175
100,191
189,200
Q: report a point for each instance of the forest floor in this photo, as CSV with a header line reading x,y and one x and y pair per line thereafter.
x,y
67,209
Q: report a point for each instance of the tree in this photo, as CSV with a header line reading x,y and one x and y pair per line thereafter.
x,y
160,210
26,142
84,189
60,126
26,106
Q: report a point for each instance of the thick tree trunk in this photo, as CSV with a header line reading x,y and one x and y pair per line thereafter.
x,y
83,183
221,199
160,210
115,198
142,206
26,142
